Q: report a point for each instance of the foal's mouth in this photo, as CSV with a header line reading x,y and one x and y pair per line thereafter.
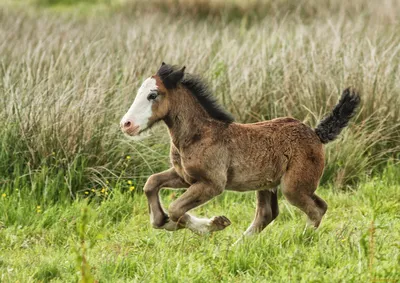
x,y
132,131
137,135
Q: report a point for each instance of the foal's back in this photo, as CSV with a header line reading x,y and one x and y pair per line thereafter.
x,y
261,153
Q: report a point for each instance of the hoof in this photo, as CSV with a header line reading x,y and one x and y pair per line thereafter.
x,y
219,223
159,222
312,224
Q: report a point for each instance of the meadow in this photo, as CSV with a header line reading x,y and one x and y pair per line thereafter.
x,y
71,202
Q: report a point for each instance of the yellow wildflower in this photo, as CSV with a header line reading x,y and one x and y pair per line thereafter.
x,y
103,190
93,190
38,207
3,195
86,193
131,188
106,193
129,182
128,157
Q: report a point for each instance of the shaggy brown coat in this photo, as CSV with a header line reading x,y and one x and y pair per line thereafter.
x,y
210,154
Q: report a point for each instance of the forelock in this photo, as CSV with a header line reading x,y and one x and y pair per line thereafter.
x,y
166,70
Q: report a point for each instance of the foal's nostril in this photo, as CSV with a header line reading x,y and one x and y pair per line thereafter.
x,y
129,127
127,124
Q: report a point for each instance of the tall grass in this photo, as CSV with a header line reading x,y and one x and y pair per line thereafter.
x,y
67,79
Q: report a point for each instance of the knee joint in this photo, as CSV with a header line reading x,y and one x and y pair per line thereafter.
x,y
151,185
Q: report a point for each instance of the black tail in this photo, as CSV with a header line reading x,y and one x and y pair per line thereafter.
x,y
331,126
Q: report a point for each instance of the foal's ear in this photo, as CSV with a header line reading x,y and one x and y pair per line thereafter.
x,y
174,78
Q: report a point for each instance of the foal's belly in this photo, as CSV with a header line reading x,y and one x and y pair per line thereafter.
x,y
253,176
244,174
248,184
253,180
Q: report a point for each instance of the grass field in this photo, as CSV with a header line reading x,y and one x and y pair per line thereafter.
x,y
71,202
358,241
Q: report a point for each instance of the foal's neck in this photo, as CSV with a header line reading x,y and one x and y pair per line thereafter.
x,y
186,120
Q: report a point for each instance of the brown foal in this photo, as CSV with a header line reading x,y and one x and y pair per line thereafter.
x,y
211,153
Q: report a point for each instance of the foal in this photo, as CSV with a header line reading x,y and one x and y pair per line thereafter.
x,y
210,153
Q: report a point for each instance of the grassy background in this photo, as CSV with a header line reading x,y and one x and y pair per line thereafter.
x,y
69,71
69,77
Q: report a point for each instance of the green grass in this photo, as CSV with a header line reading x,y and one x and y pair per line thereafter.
x,y
358,241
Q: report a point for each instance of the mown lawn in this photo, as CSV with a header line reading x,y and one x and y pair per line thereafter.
x,y
358,241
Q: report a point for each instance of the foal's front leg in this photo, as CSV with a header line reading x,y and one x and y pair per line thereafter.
x,y
169,178
197,194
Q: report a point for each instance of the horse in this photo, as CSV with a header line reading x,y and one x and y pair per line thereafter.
x,y
210,153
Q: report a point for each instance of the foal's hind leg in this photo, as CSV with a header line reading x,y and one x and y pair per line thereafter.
x,y
298,187
266,211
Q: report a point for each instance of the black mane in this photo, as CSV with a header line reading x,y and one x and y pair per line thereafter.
x,y
200,90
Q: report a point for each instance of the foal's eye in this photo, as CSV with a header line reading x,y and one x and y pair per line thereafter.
x,y
152,96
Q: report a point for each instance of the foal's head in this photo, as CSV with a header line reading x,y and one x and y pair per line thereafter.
x,y
160,93
151,103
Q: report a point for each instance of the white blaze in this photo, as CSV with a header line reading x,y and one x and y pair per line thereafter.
x,y
140,111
